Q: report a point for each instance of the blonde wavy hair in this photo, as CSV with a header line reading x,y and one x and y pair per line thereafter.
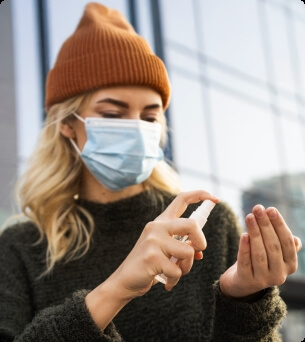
x,y
46,191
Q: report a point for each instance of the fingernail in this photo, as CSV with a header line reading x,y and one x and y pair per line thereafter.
x,y
299,245
199,255
246,238
259,211
272,213
251,219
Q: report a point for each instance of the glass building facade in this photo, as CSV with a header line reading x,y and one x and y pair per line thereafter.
x,y
237,115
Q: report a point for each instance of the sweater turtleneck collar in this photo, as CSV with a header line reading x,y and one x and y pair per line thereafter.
x,y
146,202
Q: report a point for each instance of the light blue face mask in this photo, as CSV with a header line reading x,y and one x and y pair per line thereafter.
x,y
120,152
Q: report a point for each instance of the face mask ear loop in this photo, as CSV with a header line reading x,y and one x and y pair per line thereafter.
x,y
78,117
71,140
75,146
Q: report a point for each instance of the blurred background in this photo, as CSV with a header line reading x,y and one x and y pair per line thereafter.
x,y
237,116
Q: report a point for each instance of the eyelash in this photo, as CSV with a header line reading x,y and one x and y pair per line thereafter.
x,y
150,119
116,115
110,115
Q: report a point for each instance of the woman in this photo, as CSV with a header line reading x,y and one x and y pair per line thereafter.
x,y
102,209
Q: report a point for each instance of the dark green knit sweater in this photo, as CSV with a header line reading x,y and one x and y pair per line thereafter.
x,y
53,309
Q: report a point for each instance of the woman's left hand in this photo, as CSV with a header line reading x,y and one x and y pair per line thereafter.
x,y
267,255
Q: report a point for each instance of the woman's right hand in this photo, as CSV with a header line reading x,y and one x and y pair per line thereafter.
x,y
151,255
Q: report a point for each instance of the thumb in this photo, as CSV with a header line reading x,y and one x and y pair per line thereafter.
x,y
298,243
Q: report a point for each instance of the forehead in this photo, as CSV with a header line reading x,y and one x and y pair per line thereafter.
x,y
129,94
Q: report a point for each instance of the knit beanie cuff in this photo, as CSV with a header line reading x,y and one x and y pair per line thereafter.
x,y
98,70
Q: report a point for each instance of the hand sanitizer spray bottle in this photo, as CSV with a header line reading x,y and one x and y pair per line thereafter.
x,y
200,215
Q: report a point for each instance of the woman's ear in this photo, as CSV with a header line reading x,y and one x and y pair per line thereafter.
x,y
67,130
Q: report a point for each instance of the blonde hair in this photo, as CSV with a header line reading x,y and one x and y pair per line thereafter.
x,y
47,189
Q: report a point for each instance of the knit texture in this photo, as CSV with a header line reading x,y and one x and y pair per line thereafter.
x,y
53,309
104,51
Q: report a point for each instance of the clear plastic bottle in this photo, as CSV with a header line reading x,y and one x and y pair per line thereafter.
x,y
200,215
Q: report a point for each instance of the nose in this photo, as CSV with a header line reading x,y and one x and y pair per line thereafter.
x,y
134,115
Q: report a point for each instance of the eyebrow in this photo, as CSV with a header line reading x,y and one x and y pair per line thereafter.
x,y
125,104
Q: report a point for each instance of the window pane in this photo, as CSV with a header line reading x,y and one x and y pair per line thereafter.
x,y
232,35
29,108
287,104
179,57
297,6
240,85
294,145
144,19
293,326
188,125
232,195
279,47
193,181
299,29
246,146
178,22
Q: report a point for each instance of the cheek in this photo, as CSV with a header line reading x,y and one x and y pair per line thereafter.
x,y
81,138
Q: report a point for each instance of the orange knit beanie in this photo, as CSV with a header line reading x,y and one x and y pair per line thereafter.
x,y
104,51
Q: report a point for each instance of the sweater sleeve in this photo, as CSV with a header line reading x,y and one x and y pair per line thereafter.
x,y
69,321
258,321
237,321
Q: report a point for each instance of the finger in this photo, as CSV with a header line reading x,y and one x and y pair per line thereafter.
x,y
180,203
183,227
155,281
257,248
183,252
172,272
271,240
198,256
284,235
244,264
186,264
298,243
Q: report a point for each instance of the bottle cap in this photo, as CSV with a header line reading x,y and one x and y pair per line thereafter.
x,y
201,214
